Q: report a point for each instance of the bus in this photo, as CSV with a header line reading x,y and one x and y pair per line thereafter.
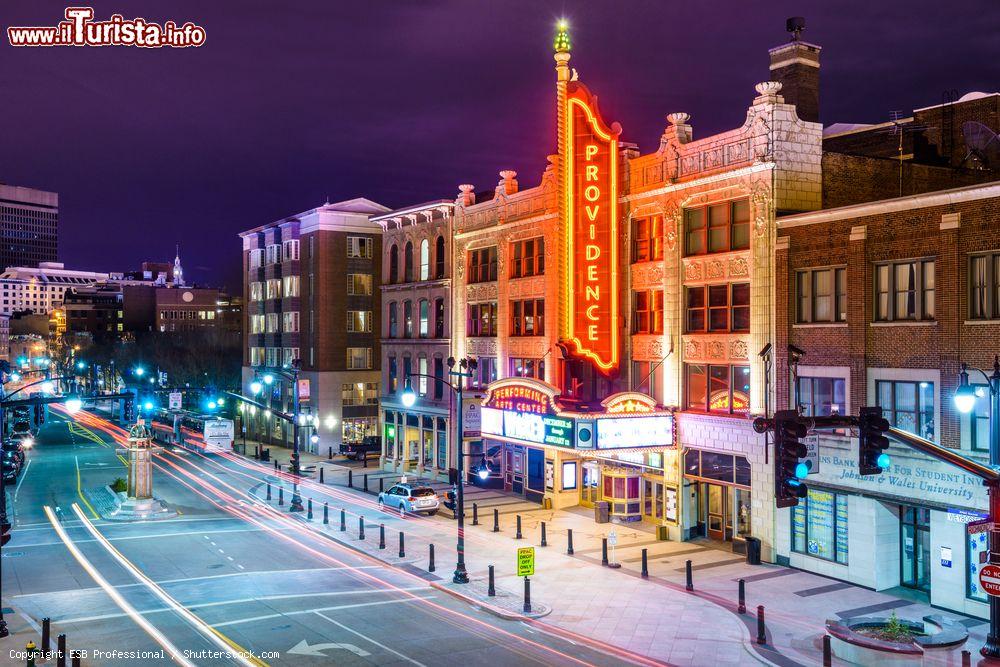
x,y
206,433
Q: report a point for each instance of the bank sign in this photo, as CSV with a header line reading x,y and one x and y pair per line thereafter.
x,y
592,230
528,427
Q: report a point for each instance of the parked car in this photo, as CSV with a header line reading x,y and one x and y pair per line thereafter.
x,y
21,412
16,448
410,498
21,426
357,450
25,439
11,467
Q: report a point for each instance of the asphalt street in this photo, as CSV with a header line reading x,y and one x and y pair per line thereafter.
x,y
253,579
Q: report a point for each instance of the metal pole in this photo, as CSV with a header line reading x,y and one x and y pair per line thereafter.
x,y
343,520
361,528
430,567
518,535
381,536
350,478
402,547
828,652
491,590
991,649
321,480
281,495
742,608
496,520
461,576
645,564
46,634
365,486
687,572
569,542
475,514
761,630
296,505
604,551
309,515
527,595
326,512
61,651
544,542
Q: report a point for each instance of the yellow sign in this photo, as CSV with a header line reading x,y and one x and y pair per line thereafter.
x,y
526,562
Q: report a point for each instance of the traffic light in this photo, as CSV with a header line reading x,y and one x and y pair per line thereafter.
x,y
789,451
872,459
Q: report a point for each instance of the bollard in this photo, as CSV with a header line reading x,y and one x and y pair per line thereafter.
x,y
402,548
544,542
366,483
268,490
31,650
475,514
361,528
645,564
966,659
275,464
309,510
569,542
604,551
281,495
687,574
527,595
321,480
496,521
343,520
329,453
61,651
364,460
381,484
430,568
491,590
828,652
326,512
742,608
256,451
46,634
381,536
75,658
518,535
350,478
761,631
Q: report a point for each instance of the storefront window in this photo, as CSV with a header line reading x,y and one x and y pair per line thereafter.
x,y
819,526
723,389
390,434
442,444
977,554
742,512
427,436
820,396
568,475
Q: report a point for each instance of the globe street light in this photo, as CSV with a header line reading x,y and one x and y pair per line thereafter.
x,y
255,387
409,396
139,371
268,379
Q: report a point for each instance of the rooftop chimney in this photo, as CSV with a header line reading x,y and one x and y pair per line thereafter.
x,y
796,66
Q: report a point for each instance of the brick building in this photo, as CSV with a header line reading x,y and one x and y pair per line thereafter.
x,y
311,293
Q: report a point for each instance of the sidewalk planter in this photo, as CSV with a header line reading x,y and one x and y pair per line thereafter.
x,y
935,632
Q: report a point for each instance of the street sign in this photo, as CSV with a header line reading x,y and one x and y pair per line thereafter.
x,y
526,562
989,579
812,453
174,400
613,538
303,390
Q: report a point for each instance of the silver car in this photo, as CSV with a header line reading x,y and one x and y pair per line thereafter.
x,y
410,498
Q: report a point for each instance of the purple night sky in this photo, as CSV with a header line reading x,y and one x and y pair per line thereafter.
x,y
289,103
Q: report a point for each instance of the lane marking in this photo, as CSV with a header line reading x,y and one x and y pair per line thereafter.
x,y
79,489
125,538
21,481
315,611
373,641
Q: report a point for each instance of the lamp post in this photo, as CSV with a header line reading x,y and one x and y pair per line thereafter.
x,y
466,366
292,374
965,401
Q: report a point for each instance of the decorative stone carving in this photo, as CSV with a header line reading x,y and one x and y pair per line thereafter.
x,y
692,349
715,349
481,292
768,87
738,349
692,271
678,118
671,237
647,275
715,269
739,267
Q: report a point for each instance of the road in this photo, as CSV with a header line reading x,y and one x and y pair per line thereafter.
x,y
245,576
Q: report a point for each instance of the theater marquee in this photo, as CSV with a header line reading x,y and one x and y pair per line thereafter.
x,y
592,229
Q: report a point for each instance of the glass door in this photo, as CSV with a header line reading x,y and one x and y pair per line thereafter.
x,y
915,546
589,489
647,499
716,511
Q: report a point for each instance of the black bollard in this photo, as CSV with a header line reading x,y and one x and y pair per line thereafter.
x,y
381,536
366,483
742,608
645,564
275,464
544,542
381,485
350,478
361,528
321,480
518,535
828,652
496,521
569,542
75,658
402,548
256,451
329,453
364,460
326,512
281,495
966,659
268,490
343,520
309,510
604,551
527,595
430,568
61,651
687,573
46,634
475,514
761,631
491,590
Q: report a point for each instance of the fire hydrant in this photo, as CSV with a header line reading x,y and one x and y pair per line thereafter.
x,y
32,651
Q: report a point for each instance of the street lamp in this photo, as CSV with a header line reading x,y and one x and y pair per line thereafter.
x,y
291,374
255,387
139,371
409,399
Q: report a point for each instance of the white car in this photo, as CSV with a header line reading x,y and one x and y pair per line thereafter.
x,y
410,498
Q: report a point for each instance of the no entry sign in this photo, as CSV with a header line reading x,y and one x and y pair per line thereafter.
x,y
989,579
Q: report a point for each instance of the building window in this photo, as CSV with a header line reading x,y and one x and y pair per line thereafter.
x,y
821,295
718,308
439,378
527,258
439,258
647,312
359,321
290,285
821,397
724,389
422,371
393,320
904,291
359,393
819,526
393,265
647,239
483,265
425,318
425,260
482,319
256,323
717,228
271,322
975,426
407,319
359,358
484,373
907,405
256,291
291,250
290,322
358,284
273,288
984,287
360,246
527,318
408,263
527,368
439,318
393,374
647,378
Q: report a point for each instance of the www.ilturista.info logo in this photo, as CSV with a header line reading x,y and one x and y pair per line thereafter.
x,y
80,29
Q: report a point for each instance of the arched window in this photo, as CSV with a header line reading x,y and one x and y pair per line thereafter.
x,y
393,320
439,258
408,263
407,319
424,318
439,318
393,265
425,260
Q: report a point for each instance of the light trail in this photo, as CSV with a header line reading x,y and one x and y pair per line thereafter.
x,y
175,654
217,638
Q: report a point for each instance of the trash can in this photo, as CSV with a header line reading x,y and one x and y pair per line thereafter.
x,y
602,511
753,550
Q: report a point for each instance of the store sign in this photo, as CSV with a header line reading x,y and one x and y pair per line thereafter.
x,y
520,397
592,237
619,432
812,453
629,402
528,427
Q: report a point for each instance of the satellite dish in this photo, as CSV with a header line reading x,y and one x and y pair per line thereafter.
x,y
981,142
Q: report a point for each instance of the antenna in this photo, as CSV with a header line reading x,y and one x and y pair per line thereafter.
x,y
899,126
795,25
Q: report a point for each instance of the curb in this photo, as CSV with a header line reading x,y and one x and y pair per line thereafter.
x,y
492,609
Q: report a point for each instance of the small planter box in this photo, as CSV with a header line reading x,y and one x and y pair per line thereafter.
x,y
851,646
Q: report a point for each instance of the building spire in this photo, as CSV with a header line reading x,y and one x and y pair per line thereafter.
x,y
178,269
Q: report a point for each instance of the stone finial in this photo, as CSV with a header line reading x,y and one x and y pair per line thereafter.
x,y
678,131
767,92
466,196
678,118
509,183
